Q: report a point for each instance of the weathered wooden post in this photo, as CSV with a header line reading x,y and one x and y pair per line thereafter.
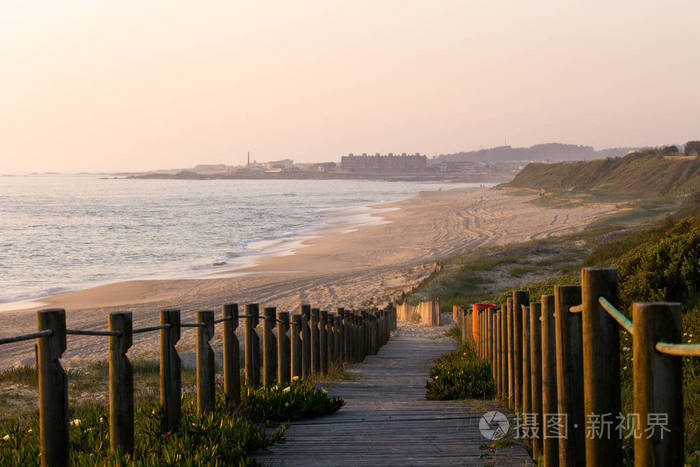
x,y
330,340
572,451
358,336
489,339
337,336
526,405
252,345
305,341
520,298
269,373
550,449
504,351
315,344
170,368
497,349
231,356
341,335
510,345
53,388
373,347
347,336
493,313
296,357
284,364
601,363
205,362
536,377
323,341
121,384
658,385
364,323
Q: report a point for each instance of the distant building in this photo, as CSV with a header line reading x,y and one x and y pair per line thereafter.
x,y
387,163
284,164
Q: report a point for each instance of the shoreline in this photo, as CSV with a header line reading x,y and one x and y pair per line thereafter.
x,y
365,267
339,219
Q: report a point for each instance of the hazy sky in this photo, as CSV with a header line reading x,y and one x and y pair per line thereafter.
x,y
135,85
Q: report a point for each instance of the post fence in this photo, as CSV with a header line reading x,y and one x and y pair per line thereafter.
x,y
269,369
231,354
170,370
53,388
305,311
296,346
252,345
121,385
284,364
205,362
601,361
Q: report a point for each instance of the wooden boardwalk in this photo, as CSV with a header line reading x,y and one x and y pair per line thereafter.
x,y
387,421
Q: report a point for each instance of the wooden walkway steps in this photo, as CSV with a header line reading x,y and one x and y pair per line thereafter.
x,y
386,419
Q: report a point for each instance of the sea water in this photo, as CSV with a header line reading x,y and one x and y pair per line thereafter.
x,y
68,232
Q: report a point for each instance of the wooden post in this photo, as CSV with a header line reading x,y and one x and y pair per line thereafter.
x,y
601,363
526,405
504,351
489,340
121,385
373,349
53,388
205,362
358,336
510,350
252,345
341,335
658,385
364,338
347,336
305,341
296,357
269,373
323,341
284,365
536,377
337,345
315,344
569,376
231,357
330,330
550,442
497,350
170,368
520,298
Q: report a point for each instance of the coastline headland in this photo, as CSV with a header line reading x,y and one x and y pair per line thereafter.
x,y
346,267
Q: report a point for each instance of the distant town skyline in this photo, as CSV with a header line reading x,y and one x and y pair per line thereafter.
x,y
107,87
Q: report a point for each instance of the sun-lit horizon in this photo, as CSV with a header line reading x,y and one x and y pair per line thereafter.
x,y
129,87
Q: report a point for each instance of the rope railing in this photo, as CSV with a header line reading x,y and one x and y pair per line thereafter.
x,y
679,350
306,344
25,337
561,357
150,329
80,332
621,319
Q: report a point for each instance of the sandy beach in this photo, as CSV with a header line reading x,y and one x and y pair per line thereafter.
x,y
342,267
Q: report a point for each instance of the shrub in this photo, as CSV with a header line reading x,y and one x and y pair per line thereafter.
x,y
297,401
461,375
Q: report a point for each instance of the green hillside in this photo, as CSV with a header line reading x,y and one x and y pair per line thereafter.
x,y
648,173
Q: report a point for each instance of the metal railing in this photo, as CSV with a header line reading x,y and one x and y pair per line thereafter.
x,y
305,345
557,364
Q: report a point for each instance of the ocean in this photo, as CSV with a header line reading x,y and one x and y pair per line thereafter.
x,y
67,232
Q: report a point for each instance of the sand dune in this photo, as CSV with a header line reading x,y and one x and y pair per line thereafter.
x,y
337,269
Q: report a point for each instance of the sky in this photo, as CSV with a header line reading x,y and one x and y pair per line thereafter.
x,y
143,85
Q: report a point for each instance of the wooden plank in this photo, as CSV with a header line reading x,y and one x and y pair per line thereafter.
x,y
386,419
